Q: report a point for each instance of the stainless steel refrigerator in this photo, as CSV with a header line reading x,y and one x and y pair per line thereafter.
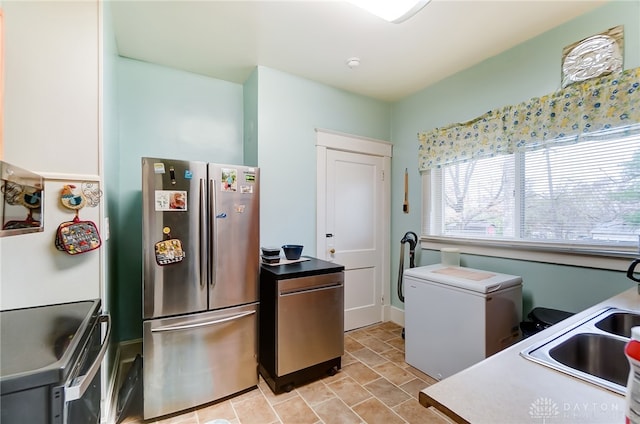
x,y
200,282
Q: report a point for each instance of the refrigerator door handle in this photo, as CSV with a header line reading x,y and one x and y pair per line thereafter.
x,y
201,324
203,234
213,232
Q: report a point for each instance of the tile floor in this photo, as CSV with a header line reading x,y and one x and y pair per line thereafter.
x,y
375,385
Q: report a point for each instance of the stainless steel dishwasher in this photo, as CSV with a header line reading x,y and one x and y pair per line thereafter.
x,y
301,322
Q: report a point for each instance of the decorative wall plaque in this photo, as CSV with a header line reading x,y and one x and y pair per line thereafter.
x,y
592,57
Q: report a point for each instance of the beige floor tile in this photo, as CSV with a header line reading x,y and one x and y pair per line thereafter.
x,y
351,344
369,357
394,373
375,385
361,373
372,411
315,393
255,409
334,411
348,358
415,413
390,394
396,356
414,386
271,397
186,418
339,375
375,344
422,376
246,395
295,411
382,334
442,416
397,342
349,391
390,326
222,410
358,334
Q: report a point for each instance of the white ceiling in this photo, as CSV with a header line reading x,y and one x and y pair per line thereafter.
x,y
313,39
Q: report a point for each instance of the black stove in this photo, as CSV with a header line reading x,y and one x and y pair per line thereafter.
x,y
49,363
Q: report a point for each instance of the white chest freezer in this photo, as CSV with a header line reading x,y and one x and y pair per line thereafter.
x,y
456,317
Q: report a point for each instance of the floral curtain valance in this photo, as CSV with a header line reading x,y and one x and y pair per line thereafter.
x,y
598,104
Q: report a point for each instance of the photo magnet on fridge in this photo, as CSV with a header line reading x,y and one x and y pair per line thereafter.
x,y
229,179
158,168
171,201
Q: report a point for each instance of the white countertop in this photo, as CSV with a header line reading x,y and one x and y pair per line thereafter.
x,y
507,388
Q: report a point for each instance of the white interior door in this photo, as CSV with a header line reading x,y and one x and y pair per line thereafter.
x,y
354,211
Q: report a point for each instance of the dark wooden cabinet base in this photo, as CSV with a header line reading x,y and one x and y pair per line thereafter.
x,y
286,383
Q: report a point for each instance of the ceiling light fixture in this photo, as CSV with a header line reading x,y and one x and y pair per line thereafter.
x,y
395,11
353,62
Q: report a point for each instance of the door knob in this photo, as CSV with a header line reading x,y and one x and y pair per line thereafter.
x,y
332,250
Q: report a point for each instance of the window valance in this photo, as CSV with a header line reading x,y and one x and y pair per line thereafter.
x,y
598,104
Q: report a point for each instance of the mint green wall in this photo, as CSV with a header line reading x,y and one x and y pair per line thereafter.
x,y
271,122
289,110
528,70
250,96
168,113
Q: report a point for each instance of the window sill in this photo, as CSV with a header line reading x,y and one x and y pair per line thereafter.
x,y
561,255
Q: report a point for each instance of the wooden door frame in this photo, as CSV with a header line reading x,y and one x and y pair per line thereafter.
x,y
332,140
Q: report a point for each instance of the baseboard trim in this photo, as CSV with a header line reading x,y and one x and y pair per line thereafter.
x,y
396,315
130,349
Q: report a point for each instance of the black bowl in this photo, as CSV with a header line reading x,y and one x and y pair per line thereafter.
x,y
271,259
270,251
292,251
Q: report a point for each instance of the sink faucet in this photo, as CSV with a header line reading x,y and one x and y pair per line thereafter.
x,y
632,268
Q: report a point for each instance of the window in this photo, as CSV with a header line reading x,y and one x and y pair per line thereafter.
x,y
540,180
575,191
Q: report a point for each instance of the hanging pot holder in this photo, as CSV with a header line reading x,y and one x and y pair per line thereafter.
x,y
75,237
169,251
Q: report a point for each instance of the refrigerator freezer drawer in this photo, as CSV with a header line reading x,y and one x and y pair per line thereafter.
x,y
195,359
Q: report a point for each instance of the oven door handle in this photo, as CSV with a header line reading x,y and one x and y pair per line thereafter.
x,y
81,383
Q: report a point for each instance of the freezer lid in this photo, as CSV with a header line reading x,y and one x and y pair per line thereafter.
x,y
464,278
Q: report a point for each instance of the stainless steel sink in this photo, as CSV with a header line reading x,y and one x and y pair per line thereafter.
x,y
594,354
591,350
619,323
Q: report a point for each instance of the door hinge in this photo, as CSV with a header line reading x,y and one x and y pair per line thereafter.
x,y
381,175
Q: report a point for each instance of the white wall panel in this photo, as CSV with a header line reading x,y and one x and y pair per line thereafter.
x,y
51,126
33,272
51,85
